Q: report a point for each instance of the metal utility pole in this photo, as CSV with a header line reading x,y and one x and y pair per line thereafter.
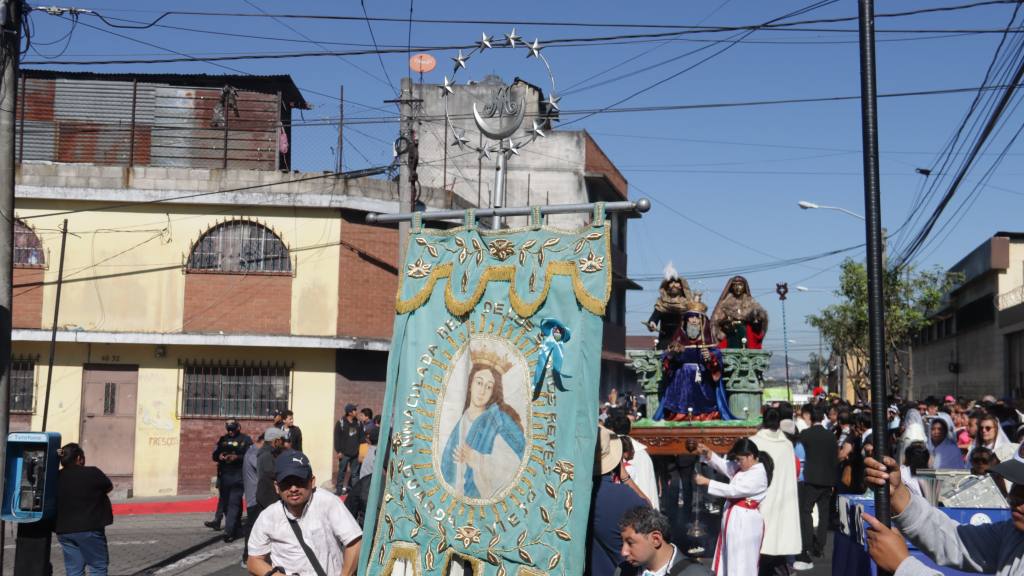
x,y
56,319
10,49
339,168
873,229
782,288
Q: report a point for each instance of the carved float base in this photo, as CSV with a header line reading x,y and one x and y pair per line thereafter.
x,y
670,440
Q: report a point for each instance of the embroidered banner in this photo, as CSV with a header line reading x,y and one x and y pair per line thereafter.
x,y
491,399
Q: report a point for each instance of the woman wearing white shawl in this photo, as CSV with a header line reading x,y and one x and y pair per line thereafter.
x,y
945,453
913,431
991,436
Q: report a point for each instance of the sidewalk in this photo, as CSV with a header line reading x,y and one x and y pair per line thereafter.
x,y
140,544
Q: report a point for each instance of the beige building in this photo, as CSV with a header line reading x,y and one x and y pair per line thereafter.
x,y
976,344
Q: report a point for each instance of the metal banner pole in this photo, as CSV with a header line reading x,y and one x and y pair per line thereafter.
x,y
873,228
642,205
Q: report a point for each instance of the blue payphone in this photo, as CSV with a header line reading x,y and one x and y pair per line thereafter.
x,y
30,483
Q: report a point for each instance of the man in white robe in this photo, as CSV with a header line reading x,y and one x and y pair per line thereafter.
x,y
781,506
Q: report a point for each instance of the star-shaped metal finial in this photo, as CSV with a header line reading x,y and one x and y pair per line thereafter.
x,y
537,129
460,61
446,89
513,147
485,41
534,49
484,152
512,38
552,102
460,139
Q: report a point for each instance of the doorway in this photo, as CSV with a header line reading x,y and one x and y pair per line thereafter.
x,y
108,422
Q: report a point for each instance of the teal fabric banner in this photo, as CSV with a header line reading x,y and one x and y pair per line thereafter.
x,y
491,402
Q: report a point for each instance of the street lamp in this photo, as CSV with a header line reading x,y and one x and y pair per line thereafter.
x,y
805,205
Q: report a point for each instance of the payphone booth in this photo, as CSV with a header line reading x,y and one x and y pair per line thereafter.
x,y
30,497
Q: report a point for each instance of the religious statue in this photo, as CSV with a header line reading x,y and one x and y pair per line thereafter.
x,y
673,301
738,320
556,334
693,387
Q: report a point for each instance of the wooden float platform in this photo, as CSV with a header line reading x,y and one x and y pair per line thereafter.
x,y
669,438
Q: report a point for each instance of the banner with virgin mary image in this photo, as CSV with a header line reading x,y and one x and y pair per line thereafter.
x,y
491,402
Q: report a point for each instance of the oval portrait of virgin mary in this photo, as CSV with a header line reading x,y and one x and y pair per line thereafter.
x,y
484,415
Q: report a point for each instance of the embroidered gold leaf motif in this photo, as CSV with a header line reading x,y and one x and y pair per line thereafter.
x,y
525,556
521,539
593,236
491,558
416,515
418,269
415,530
429,560
565,470
563,534
529,244
460,242
494,541
380,556
568,503
391,526
544,515
501,571
550,490
554,561
421,241
480,257
468,535
442,545
476,245
465,281
462,256
501,249
551,242
432,250
388,497
522,257
533,282
592,263
579,246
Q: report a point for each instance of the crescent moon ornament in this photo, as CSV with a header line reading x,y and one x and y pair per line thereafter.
x,y
498,133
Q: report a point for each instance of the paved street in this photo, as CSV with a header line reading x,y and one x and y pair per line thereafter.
x,y
140,544
178,544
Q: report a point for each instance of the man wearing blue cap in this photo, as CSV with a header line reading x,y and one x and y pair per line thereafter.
x,y
302,534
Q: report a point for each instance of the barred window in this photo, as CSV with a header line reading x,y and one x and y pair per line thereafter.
x,y
240,246
235,390
28,249
23,385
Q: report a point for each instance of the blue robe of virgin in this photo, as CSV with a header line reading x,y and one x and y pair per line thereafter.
x,y
482,433
684,362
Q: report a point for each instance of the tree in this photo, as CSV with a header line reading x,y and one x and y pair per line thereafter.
x,y
911,298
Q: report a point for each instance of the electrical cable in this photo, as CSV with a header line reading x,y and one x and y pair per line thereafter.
x,y
567,24
376,48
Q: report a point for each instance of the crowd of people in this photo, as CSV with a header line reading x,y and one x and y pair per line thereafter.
x,y
787,474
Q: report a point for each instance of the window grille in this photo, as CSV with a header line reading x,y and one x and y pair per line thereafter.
x,y
28,249
23,385
240,246
110,399
235,390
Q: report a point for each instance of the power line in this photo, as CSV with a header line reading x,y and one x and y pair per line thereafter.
x,y
376,48
555,23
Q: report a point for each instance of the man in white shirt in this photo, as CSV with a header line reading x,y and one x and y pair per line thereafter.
x,y
647,547
302,534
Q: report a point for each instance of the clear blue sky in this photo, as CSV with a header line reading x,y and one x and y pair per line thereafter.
x,y
737,171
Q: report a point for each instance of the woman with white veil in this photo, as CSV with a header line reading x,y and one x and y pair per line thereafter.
x,y
945,453
991,436
913,430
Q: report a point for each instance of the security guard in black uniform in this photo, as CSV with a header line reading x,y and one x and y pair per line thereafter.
x,y
228,455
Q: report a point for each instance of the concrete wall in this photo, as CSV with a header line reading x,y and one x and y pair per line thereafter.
x,y
124,267
547,171
172,455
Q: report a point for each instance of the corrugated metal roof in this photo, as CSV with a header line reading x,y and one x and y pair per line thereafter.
x,y
272,84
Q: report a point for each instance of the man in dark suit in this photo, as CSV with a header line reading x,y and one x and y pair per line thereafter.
x,y
647,547
820,470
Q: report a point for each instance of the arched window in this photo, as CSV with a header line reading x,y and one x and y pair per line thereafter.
x,y
240,246
28,249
